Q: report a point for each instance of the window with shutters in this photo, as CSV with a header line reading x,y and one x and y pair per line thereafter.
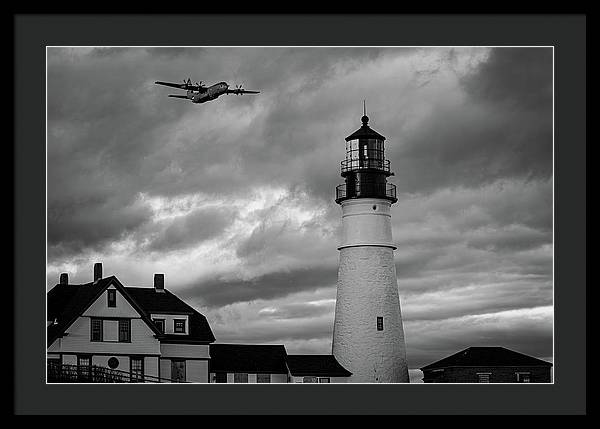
x,y
96,328
124,330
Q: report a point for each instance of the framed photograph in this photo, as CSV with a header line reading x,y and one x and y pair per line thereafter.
x,y
266,220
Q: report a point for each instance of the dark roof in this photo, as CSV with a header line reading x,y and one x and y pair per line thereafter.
x,y
317,365
365,132
487,356
249,358
67,302
153,302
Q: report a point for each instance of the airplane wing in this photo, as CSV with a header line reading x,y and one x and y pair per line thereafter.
x,y
241,91
179,96
184,86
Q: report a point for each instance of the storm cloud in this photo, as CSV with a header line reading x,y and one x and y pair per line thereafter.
x,y
234,199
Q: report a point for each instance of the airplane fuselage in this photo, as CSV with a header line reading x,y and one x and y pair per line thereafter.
x,y
211,93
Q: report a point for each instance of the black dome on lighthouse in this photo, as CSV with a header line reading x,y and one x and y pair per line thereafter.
x,y
365,132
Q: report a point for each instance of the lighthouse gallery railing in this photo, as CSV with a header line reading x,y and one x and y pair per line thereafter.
x,y
366,190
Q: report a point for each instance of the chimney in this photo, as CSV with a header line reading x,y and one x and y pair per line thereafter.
x,y
159,283
97,271
64,279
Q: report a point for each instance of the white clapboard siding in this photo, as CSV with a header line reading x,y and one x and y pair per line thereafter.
x,y
196,371
78,340
165,368
100,308
185,351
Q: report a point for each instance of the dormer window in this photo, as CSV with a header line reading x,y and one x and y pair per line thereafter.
x,y
112,297
179,326
160,325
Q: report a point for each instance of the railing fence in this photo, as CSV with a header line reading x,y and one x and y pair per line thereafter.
x,y
64,373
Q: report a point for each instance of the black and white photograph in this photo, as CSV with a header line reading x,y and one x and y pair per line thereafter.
x,y
288,213
300,214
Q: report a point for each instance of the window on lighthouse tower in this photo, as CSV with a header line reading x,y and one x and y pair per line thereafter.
x,y
380,323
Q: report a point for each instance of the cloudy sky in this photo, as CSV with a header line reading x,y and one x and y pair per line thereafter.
x,y
234,199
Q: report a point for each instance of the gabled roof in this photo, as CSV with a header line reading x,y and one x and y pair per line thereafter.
x,y
487,356
250,358
67,302
316,365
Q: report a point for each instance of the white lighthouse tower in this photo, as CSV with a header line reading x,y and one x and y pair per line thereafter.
x,y
368,337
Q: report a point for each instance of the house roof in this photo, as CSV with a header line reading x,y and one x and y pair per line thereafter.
x,y
66,302
251,358
487,356
153,302
316,365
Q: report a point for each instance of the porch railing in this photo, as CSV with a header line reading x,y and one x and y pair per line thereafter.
x,y
63,373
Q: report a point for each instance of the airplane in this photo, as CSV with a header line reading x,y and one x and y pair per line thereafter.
x,y
199,93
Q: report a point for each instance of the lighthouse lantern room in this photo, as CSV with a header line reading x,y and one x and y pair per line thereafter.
x,y
365,168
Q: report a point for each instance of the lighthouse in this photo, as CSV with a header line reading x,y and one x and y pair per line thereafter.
x,y
368,337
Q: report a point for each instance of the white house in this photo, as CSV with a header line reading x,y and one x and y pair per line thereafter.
x,y
144,334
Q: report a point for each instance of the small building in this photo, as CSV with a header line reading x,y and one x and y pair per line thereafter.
x,y
103,331
316,369
488,365
248,363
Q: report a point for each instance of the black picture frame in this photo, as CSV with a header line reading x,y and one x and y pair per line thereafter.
x,y
567,33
